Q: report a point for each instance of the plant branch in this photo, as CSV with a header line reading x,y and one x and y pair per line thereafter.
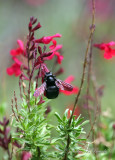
x,y
9,156
85,60
89,80
67,147
83,74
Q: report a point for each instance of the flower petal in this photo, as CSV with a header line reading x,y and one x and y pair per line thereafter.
x,y
48,39
21,45
111,43
54,44
17,61
68,93
59,57
70,79
59,46
14,69
10,71
107,55
109,52
20,50
100,46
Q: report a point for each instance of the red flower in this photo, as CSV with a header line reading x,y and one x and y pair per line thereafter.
x,y
14,69
16,54
59,56
76,112
18,51
48,39
109,52
54,44
75,89
54,48
26,155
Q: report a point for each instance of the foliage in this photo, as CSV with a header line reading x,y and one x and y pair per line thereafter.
x,y
33,129
74,131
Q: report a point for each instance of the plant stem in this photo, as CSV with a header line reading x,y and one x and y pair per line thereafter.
x,y
9,156
89,80
83,75
89,76
85,60
67,147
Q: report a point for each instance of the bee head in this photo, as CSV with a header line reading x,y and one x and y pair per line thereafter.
x,y
49,77
48,74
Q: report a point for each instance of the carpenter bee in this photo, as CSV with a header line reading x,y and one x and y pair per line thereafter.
x,y
51,86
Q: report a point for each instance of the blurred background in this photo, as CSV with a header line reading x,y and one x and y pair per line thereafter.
x,y
72,19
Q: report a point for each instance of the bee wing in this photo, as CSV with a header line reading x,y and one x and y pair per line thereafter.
x,y
64,86
39,91
59,85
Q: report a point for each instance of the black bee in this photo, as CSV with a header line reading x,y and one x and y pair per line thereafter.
x,y
51,86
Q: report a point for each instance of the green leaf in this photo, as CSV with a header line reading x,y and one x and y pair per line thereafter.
x,y
65,114
58,117
55,140
84,123
80,155
78,120
77,134
23,113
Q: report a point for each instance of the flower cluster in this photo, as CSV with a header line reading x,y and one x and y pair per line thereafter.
x,y
16,56
33,56
26,58
107,47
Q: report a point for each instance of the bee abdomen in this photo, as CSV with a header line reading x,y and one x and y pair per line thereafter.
x,y
52,92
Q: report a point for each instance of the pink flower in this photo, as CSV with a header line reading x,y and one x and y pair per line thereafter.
x,y
54,44
75,89
54,48
14,69
18,51
59,57
16,54
26,155
48,39
109,52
